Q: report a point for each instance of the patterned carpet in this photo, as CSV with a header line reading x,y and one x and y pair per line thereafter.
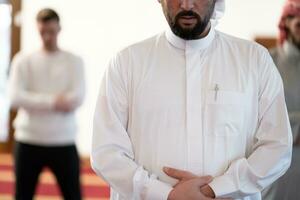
x,y
92,186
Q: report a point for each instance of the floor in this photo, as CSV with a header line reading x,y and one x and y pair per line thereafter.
x,y
92,186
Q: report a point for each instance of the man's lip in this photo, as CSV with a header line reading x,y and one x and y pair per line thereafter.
x,y
187,17
187,21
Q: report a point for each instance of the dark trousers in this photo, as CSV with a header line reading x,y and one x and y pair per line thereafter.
x,y
63,161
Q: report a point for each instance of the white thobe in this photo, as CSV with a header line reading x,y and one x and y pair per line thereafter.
x,y
213,106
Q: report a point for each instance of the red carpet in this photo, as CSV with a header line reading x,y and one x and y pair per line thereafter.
x,y
92,186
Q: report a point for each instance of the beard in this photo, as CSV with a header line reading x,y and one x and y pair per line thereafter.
x,y
194,32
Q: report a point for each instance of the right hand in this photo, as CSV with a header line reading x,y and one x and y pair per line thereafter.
x,y
62,104
190,189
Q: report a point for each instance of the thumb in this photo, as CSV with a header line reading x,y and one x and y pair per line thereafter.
x,y
178,174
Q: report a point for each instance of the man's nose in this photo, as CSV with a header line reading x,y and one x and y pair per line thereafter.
x,y
187,4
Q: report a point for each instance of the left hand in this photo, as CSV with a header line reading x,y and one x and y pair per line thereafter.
x,y
183,176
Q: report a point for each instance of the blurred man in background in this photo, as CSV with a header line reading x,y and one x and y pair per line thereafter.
x,y
46,87
287,58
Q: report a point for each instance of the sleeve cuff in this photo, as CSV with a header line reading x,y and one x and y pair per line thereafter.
x,y
158,190
222,186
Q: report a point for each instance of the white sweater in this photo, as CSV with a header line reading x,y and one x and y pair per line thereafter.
x,y
35,82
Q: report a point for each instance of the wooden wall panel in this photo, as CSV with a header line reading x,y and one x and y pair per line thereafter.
x,y
268,42
15,48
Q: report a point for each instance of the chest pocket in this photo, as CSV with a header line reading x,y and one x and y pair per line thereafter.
x,y
224,113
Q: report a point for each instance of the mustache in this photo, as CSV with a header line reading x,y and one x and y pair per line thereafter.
x,y
189,13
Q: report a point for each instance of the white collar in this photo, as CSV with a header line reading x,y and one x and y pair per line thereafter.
x,y
191,45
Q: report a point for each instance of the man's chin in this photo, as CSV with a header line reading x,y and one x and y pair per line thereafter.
x,y
186,32
187,27
187,36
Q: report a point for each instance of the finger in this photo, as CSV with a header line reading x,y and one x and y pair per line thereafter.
x,y
178,174
204,180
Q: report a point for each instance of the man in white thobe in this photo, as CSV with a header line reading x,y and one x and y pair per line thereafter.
x,y
187,104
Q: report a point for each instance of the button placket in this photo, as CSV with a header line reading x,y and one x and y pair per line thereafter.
x,y
193,112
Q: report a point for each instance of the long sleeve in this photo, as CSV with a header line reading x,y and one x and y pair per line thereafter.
x,y
77,91
18,91
272,149
112,152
